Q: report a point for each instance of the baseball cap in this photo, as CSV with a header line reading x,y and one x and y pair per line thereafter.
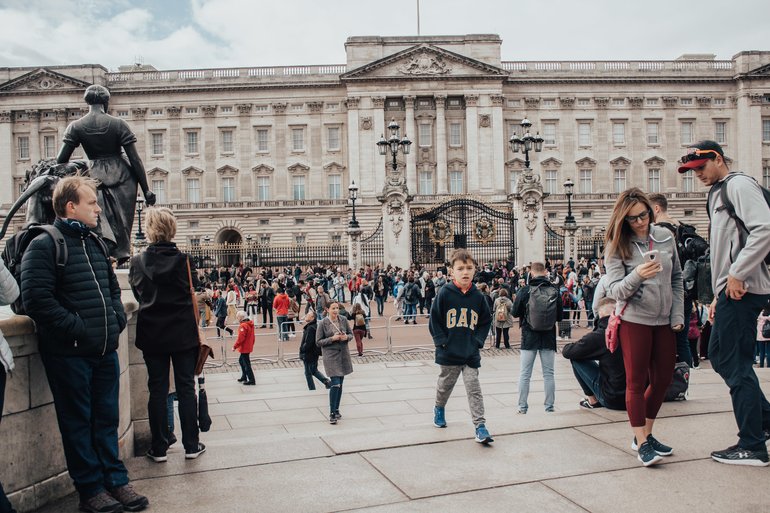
x,y
699,153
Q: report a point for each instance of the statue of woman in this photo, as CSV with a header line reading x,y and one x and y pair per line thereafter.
x,y
104,139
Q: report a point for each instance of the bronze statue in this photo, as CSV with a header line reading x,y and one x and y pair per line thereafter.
x,y
104,139
39,183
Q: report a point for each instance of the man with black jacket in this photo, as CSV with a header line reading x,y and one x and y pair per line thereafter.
x,y
79,318
600,373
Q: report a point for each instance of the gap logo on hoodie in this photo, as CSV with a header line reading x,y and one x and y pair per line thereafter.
x,y
463,319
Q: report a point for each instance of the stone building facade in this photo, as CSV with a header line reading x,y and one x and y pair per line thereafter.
x,y
268,153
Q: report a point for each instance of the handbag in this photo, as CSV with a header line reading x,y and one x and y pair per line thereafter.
x,y
204,352
612,333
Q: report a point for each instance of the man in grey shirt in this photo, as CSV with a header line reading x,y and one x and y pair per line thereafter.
x,y
741,283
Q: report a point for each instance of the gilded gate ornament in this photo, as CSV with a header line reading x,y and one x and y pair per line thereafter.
x,y
484,230
440,231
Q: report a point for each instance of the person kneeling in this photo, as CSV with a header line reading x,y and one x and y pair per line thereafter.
x,y
600,373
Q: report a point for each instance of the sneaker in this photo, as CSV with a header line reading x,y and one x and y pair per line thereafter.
x,y
128,497
550,410
250,383
156,457
736,455
521,411
194,453
102,502
332,418
482,435
337,414
647,455
241,380
438,417
661,449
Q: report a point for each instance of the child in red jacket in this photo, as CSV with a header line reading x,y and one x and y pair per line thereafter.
x,y
244,344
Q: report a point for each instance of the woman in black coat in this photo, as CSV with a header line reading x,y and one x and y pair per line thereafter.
x,y
166,332
309,353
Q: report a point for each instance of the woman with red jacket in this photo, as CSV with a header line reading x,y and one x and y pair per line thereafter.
x,y
244,344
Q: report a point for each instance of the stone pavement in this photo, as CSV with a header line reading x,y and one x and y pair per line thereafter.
x,y
271,449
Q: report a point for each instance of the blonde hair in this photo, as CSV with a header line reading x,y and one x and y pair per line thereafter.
x,y
619,232
160,224
67,190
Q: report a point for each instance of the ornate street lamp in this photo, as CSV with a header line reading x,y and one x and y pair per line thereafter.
x,y
569,221
393,143
139,237
353,195
526,142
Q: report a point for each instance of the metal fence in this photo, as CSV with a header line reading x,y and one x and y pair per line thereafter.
x,y
590,248
267,255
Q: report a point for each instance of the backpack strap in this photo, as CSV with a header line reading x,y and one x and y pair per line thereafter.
x,y
60,245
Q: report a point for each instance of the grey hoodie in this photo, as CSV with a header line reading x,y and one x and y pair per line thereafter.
x,y
656,301
732,252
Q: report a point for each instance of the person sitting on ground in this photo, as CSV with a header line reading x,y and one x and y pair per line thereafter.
x,y
600,373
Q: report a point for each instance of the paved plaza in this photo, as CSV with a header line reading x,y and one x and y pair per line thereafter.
x,y
272,449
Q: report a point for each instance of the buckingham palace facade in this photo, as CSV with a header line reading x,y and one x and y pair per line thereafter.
x,y
268,152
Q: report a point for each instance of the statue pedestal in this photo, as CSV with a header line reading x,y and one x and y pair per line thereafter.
x,y
354,248
396,222
530,223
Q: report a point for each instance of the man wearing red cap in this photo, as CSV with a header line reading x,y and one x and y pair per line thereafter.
x,y
739,235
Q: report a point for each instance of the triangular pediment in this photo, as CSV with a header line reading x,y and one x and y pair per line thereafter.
x,y
760,72
42,81
424,61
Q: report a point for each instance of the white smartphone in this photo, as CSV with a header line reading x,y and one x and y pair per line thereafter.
x,y
652,255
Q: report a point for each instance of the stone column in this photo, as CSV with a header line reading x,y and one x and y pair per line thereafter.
x,y
7,160
441,145
282,181
354,248
317,187
499,143
376,123
353,139
472,141
530,225
410,131
748,147
208,154
242,141
34,136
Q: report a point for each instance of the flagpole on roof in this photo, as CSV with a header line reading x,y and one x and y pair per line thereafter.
x,y
418,17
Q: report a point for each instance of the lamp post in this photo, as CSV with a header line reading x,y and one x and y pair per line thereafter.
x,y
393,143
249,253
353,195
526,142
570,225
139,240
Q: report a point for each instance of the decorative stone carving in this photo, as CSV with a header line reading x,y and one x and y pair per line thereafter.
x,y
279,107
352,102
367,123
754,98
703,101
209,111
485,120
315,106
636,101
139,112
567,102
33,114
670,101
263,169
471,100
192,170
484,231
244,108
5,116
440,100
425,64
409,101
378,102
602,102
227,171
174,111
298,168
60,114
396,215
531,211
498,100
532,103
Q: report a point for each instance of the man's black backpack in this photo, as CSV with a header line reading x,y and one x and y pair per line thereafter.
x,y
410,292
728,206
693,252
17,245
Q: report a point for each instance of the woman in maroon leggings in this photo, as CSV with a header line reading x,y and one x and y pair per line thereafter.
x,y
645,278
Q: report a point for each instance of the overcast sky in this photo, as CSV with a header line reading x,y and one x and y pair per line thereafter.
x,y
181,34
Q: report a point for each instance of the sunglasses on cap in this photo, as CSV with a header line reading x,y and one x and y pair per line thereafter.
x,y
696,154
641,217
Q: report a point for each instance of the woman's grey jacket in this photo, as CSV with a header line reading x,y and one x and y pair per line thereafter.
x,y
336,355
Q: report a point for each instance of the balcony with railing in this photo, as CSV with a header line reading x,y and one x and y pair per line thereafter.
x,y
218,75
683,68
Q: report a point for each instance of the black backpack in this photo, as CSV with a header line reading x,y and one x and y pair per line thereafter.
x,y
542,310
677,390
728,206
410,293
693,252
17,245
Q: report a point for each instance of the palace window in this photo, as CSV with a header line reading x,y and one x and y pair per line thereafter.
x,y
228,189
766,130
335,187
456,182
426,182
193,190
333,138
618,134
298,187
157,143
425,135
687,181
766,175
159,188
455,134
549,134
619,180
586,181
298,139
263,188
720,130
192,142
262,140
652,132
551,181
653,180
686,132
49,146
227,141
584,134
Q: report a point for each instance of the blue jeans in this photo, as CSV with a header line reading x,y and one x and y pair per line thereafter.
x,y
311,370
587,374
410,312
547,357
380,304
731,350
282,328
683,353
85,395
5,504
335,393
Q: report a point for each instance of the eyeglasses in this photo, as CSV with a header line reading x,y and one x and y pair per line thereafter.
x,y
641,217
696,154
